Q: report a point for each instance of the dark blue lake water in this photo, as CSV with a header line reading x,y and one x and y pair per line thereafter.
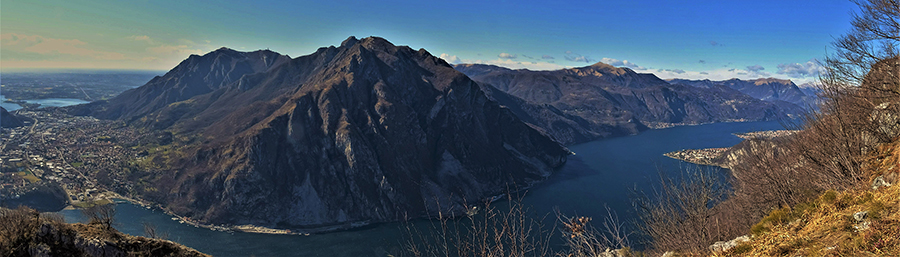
x,y
600,174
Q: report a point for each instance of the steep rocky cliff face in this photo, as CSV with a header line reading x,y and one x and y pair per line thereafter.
x,y
580,104
364,132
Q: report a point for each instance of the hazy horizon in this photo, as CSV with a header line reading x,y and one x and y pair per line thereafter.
x,y
691,40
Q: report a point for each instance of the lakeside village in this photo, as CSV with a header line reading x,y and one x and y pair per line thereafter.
x,y
90,159
711,156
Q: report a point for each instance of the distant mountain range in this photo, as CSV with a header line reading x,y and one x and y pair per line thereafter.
x,y
766,89
349,135
371,132
581,104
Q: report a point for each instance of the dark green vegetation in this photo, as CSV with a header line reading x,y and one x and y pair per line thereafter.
x,y
25,232
86,85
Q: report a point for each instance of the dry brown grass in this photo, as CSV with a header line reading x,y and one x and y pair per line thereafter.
x,y
825,225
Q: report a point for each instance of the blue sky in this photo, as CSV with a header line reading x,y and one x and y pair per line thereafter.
x,y
686,39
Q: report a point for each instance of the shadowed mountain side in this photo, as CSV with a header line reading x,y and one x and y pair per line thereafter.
x,y
565,128
365,132
197,75
8,120
609,101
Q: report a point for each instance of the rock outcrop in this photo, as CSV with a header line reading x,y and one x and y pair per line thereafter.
x,y
28,233
723,246
349,135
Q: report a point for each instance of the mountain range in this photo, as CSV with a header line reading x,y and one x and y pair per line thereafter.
x,y
363,132
371,132
586,103
772,90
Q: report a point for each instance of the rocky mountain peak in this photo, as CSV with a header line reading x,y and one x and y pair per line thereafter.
x,y
601,65
350,41
365,132
764,81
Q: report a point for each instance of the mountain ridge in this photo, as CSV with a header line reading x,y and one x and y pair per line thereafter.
x,y
361,133
766,89
611,101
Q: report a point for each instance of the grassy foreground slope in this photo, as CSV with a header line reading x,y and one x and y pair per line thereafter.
x,y
856,222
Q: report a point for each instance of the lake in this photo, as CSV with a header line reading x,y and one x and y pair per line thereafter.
x,y
602,173
55,102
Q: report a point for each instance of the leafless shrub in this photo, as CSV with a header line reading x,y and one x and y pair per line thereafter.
x,y
515,231
151,231
582,239
680,214
17,227
861,75
872,40
492,231
767,175
103,215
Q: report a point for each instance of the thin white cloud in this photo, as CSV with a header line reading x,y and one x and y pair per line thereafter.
x,y
574,57
811,68
756,71
718,74
513,64
621,63
453,59
506,56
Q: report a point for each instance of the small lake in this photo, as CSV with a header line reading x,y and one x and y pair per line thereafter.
x,y
601,174
53,102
